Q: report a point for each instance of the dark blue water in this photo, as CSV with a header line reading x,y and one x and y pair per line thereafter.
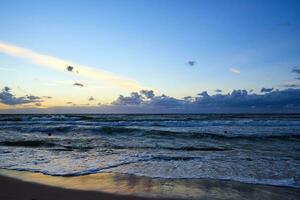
x,y
251,148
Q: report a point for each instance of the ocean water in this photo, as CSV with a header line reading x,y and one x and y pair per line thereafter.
x,y
251,148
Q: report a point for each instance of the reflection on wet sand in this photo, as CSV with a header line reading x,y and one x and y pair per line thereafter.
x,y
156,187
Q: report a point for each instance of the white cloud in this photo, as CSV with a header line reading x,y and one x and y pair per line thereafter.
x,y
234,70
61,65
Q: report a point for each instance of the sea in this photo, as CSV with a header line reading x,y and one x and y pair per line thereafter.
x,y
249,148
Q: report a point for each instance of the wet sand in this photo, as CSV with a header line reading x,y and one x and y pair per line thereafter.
x,y
16,185
14,189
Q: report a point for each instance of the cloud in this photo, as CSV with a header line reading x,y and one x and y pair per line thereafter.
x,y
165,101
218,90
234,70
38,104
6,97
6,89
291,85
134,99
78,84
266,89
296,70
236,101
149,99
91,98
241,98
70,68
47,97
32,97
191,63
69,102
60,64
204,94
147,93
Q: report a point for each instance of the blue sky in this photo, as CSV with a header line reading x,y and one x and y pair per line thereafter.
x,y
150,42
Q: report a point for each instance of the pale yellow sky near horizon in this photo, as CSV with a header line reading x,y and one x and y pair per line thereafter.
x,y
93,79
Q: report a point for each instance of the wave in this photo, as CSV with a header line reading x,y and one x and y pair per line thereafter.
x,y
150,132
151,117
199,135
28,143
180,134
14,119
60,147
114,129
183,148
40,128
42,143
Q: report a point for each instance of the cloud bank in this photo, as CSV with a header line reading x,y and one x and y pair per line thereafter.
x,y
7,98
237,101
145,101
61,65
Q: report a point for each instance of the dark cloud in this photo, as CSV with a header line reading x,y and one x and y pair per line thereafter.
x,y
266,90
6,89
165,101
70,68
150,99
47,97
32,97
145,101
218,90
6,97
236,101
78,84
251,90
38,104
204,94
291,85
296,70
242,99
191,63
91,98
147,93
134,99
188,98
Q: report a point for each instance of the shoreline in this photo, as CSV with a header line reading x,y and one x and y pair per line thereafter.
x,y
15,189
19,184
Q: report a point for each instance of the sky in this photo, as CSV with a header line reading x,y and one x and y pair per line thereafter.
x,y
149,56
